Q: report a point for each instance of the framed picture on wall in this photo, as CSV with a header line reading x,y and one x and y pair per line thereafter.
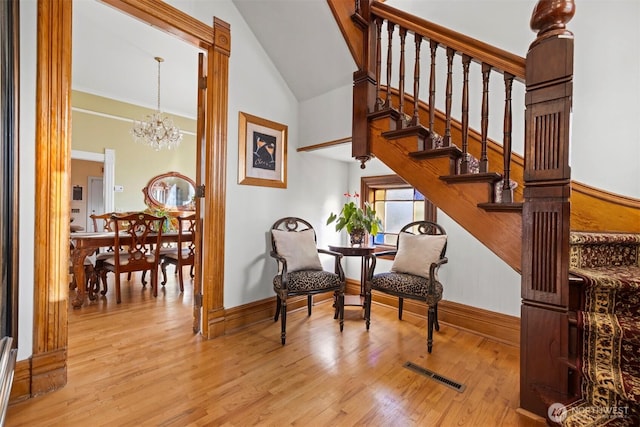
x,y
77,193
262,152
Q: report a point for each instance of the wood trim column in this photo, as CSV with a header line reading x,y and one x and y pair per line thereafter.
x,y
364,89
544,373
215,180
51,251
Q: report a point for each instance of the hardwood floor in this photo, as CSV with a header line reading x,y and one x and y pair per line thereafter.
x,y
139,364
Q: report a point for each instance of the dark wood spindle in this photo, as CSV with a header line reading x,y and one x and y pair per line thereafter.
x,y
507,193
403,35
415,121
447,130
484,123
433,46
464,162
378,23
358,7
390,27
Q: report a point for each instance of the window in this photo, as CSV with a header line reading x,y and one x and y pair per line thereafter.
x,y
396,203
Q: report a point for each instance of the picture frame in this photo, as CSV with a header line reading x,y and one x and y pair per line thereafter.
x,y
262,152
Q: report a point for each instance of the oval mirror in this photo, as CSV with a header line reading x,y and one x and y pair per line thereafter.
x,y
170,191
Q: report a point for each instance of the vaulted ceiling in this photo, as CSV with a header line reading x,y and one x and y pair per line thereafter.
x,y
113,54
304,42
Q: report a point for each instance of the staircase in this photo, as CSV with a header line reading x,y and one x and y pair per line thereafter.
x,y
607,326
522,211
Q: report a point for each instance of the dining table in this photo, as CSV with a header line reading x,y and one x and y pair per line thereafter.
x,y
85,244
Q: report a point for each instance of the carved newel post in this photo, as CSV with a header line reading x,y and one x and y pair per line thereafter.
x,y
544,372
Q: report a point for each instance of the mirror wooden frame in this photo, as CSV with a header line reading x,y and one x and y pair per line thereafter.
x,y
154,203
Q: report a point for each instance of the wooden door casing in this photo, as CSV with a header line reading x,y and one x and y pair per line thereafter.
x,y
53,153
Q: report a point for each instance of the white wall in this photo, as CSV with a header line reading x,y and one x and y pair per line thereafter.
x,y
335,109
256,87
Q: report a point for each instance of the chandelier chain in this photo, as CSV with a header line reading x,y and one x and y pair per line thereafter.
x,y
159,61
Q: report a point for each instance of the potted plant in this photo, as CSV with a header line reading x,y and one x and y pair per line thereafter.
x,y
356,220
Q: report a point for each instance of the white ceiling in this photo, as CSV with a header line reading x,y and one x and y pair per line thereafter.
x,y
304,42
113,54
113,57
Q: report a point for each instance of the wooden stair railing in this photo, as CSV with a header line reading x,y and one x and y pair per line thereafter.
x,y
407,114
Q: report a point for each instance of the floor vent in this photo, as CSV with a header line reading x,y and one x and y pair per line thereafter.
x,y
436,377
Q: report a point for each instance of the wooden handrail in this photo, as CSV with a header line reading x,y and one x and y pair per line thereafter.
x,y
501,60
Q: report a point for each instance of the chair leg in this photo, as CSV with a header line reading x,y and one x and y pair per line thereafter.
x,y
341,308
90,286
103,276
163,268
336,304
278,306
367,309
118,296
309,304
154,280
400,305
191,271
144,280
179,267
283,328
430,329
435,319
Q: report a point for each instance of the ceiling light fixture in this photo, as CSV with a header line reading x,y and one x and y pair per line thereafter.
x,y
157,130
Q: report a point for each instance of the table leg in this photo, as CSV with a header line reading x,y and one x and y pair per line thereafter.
x,y
77,259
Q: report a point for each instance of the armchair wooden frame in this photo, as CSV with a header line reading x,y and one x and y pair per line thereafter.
x,y
404,285
287,284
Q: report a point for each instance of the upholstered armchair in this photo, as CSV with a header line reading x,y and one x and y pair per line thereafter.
x,y
300,272
419,254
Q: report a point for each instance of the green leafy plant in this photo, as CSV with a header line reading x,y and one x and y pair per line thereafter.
x,y
170,223
353,218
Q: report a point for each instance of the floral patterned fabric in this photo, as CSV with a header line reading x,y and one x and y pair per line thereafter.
x,y
610,324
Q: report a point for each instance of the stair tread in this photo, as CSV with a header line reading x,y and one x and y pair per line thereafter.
x,y
490,177
502,207
408,131
451,151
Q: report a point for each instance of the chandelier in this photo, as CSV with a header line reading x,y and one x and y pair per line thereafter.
x,y
157,130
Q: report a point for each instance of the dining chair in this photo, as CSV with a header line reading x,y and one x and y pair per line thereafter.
x,y
419,254
137,234
184,253
300,272
92,284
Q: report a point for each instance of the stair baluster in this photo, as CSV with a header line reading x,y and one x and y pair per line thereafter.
x,y
507,191
403,35
378,23
449,91
390,27
464,162
415,120
484,123
433,46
